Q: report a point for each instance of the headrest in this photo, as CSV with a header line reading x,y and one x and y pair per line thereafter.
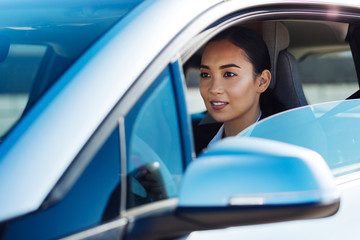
x,y
4,47
276,37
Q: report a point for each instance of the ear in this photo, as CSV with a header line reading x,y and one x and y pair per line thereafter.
x,y
263,81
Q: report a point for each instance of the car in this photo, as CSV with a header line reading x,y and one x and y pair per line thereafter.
x,y
103,134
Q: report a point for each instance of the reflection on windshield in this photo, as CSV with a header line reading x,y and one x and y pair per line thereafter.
x,y
331,129
40,40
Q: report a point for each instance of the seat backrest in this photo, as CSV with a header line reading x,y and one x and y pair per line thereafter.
x,y
285,87
288,88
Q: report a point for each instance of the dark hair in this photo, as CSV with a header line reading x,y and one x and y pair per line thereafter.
x,y
251,42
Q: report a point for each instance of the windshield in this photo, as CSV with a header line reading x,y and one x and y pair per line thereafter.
x,y
331,129
39,40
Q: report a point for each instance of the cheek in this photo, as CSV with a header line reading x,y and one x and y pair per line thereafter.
x,y
242,88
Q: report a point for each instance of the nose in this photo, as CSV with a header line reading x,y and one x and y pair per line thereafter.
x,y
216,86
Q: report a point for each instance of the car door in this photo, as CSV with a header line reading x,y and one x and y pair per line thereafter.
x,y
99,188
87,194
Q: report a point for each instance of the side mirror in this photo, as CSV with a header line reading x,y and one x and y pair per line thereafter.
x,y
242,181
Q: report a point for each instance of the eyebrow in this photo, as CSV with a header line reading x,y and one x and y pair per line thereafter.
x,y
204,66
229,65
221,67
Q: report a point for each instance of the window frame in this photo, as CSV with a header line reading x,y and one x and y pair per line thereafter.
x,y
208,24
130,100
137,133
270,12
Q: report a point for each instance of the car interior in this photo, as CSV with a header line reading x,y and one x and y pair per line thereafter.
x,y
305,54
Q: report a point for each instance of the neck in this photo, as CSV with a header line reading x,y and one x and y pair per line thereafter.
x,y
232,128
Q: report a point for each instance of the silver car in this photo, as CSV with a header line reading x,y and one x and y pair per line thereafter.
x,y
104,136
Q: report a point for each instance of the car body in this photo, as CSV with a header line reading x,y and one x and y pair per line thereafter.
x,y
97,139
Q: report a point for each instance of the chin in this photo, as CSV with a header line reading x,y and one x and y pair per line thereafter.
x,y
219,118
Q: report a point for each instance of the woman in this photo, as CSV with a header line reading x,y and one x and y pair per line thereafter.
x,y
235,70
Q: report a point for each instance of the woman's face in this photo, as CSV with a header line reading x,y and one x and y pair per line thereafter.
x,y
228,86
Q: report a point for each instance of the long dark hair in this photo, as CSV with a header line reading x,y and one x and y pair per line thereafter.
x,y
251,42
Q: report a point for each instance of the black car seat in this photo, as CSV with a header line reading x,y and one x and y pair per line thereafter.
x,y
285,89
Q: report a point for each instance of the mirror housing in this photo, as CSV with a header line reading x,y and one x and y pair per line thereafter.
x,y
241,181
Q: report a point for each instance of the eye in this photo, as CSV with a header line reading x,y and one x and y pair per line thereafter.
x,y
229,74
204,75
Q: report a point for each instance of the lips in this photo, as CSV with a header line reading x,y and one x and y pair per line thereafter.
x,y
218,105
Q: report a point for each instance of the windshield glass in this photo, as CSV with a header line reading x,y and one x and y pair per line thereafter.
x,y
39,40
331,129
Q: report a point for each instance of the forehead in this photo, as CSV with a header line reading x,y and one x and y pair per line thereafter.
x,y
223,52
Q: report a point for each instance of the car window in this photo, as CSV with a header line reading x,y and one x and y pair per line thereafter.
x,y
37,46
21,65
331,129
97,188
154,151
328,77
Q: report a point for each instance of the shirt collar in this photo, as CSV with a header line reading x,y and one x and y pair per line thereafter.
x,y
220,133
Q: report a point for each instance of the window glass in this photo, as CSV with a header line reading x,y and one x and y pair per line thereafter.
x,y
93,199
331,129
328,77
154,151
21,66
39,40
